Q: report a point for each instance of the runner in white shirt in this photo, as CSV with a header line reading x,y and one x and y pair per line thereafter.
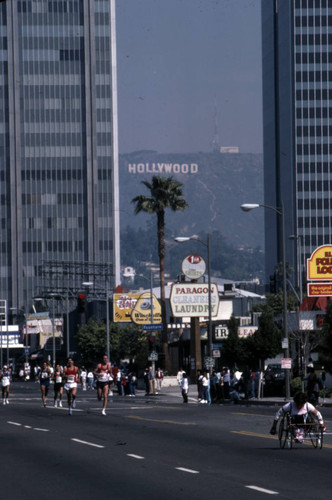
x,y
71,374
103,371
5,377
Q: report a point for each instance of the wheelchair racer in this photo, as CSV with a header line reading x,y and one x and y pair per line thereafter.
x,y
299,410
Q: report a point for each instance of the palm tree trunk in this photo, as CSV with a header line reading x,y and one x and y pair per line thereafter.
x,y
161,253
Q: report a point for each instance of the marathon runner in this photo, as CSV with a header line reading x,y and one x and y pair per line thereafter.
x,y
103,372
71,374
44,380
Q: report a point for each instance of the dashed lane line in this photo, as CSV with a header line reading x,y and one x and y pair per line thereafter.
x,y
262,490
94,445
190,471
138,457
159,421
14,423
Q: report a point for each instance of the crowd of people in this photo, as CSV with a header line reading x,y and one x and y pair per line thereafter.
x,y
222,385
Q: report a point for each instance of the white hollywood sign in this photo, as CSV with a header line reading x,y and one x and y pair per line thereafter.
x,y
192,300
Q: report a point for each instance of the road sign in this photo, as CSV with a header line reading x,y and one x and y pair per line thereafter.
x,y
216,353
286,363
152,327
193,266
209,362
153,356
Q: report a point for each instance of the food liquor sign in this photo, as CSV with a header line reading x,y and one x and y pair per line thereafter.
x,y
319,270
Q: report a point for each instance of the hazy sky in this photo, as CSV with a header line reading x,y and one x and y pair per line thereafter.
x,y
179,60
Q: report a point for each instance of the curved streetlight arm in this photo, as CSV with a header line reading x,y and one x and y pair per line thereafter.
x,y
246,207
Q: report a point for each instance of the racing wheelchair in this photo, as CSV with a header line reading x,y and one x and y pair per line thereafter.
x,y
291,431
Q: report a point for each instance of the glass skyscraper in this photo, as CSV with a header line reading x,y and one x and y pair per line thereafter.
x,y
58,139
297,112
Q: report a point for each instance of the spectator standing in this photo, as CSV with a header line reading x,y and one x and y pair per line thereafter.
x,y
5,377
227,381
199,378
253,383
146,380
151,381
91,380
185,387
132,384
84,376
205,388
312,386
159,378
179,376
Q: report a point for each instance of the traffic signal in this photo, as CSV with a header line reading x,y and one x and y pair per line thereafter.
x,y
320,320
151,343
81,303
273,283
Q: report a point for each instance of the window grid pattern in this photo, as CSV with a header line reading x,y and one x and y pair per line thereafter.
x,y
313,121
51,109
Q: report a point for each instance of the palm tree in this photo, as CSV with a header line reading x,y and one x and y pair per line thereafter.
x,y
165,192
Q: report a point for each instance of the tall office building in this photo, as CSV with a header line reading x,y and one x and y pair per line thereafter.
x,y
297,117
58,139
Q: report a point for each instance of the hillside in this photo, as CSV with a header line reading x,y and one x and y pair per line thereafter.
x,y
215,185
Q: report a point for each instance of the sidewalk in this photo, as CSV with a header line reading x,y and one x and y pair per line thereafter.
x,y
267,401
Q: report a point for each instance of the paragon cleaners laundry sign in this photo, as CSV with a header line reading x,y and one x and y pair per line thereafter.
x,y
320,264
192,300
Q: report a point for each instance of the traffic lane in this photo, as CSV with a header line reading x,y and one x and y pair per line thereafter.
x,y
163,447
51,466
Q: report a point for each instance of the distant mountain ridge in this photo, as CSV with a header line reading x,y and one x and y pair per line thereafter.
x,y
215,185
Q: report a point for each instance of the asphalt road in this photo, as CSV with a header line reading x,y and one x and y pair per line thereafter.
x,y
152,448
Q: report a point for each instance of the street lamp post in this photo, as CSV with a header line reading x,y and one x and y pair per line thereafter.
x,y
90,284
280,211
298,240
181,239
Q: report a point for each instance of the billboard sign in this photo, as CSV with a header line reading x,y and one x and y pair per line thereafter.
x,y
319,266
144,312
319,289
193,266
192,300
123,304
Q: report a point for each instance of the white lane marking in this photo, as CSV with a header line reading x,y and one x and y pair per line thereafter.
x,y
14,423
191,471
135,456
27,427
40,429
263,490
87,443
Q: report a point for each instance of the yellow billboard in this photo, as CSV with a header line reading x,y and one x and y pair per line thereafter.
x,y
123,304
141,314
319,266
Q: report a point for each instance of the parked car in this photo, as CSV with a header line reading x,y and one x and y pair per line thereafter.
x,y
274,374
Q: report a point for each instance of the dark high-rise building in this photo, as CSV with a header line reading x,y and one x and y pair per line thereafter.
x,y
58,139
297,117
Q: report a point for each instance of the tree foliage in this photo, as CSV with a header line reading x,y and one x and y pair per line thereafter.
x,y
266,341
125,342
165,192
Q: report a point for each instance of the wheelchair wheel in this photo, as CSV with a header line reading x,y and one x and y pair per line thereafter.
x,y
316,436
284,434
